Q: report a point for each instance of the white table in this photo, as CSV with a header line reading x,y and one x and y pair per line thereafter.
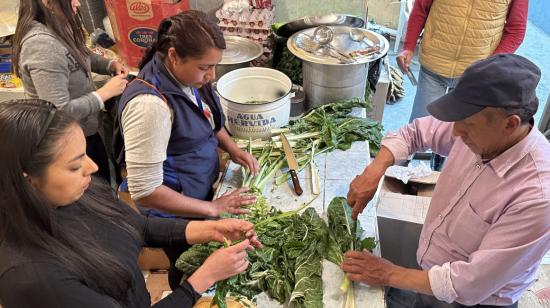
x,y
336,170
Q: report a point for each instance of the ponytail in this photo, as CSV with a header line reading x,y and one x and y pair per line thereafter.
x,y
164,27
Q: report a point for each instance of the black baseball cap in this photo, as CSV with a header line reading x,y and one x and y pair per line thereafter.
x,y
502,81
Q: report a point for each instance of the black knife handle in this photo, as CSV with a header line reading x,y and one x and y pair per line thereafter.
x,y
295,182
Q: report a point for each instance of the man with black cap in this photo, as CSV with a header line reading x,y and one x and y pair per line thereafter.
x,y
488,225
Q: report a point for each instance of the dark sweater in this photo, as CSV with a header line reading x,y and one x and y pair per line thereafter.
x,y
36,280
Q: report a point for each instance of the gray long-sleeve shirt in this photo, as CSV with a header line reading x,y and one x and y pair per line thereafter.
x,y
50,72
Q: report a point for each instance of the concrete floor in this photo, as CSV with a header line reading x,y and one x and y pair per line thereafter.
x,y
534,47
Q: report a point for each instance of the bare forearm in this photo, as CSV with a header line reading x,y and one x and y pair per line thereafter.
x,y
165,199
226,143
410,279
381,162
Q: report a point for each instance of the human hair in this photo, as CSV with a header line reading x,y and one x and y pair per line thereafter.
x,y
30,223
191,34
66,28
525,113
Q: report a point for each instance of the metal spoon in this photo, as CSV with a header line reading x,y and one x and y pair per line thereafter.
x,y
359,36
309,44
324,36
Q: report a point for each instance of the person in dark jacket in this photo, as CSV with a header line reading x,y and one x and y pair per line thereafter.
x,y
66,242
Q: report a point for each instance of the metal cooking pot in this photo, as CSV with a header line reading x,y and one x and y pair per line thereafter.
x,y
288,29
269,89
326,79
239,53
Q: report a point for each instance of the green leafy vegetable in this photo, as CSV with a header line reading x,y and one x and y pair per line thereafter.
x,y
326,128
344,235
288,268
290,65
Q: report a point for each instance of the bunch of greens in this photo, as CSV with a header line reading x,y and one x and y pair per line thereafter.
x,y
344,235
337,128
288,267
290,65
321,130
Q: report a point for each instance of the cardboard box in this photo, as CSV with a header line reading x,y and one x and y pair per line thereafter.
x,y
149,258
400,213
135,24
153,259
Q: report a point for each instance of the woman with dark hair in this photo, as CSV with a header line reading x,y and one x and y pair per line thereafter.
x,y
54,64
63,244
171,124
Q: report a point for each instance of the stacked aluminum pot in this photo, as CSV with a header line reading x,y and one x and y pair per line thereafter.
x,y
327,78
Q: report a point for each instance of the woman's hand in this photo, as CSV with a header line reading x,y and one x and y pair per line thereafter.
x,y
232,202
245,159
117,68
115,86
221,264
230,229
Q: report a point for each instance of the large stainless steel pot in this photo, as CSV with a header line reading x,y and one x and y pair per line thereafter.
x,y
239,53
325,78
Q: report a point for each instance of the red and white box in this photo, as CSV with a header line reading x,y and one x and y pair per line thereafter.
x,y
135,24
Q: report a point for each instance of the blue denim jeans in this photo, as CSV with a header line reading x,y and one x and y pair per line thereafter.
x,y
431,86
397,298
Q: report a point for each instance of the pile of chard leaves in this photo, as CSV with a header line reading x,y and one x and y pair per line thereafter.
x,y
337,128
323,129
288,267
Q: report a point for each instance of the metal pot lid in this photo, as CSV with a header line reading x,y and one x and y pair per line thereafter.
x,y
341,42
240,50
294,26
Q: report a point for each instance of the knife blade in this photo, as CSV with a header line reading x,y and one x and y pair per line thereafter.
x,y
292,164
412,78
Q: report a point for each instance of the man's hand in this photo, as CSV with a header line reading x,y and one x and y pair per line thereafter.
x,y
232,202
231,229
364,186
364,267
404,59
361,191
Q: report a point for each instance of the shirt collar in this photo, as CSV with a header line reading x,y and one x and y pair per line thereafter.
x,y
509,158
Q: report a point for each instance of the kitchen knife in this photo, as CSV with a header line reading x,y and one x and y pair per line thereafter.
x,y
292,164
412,78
